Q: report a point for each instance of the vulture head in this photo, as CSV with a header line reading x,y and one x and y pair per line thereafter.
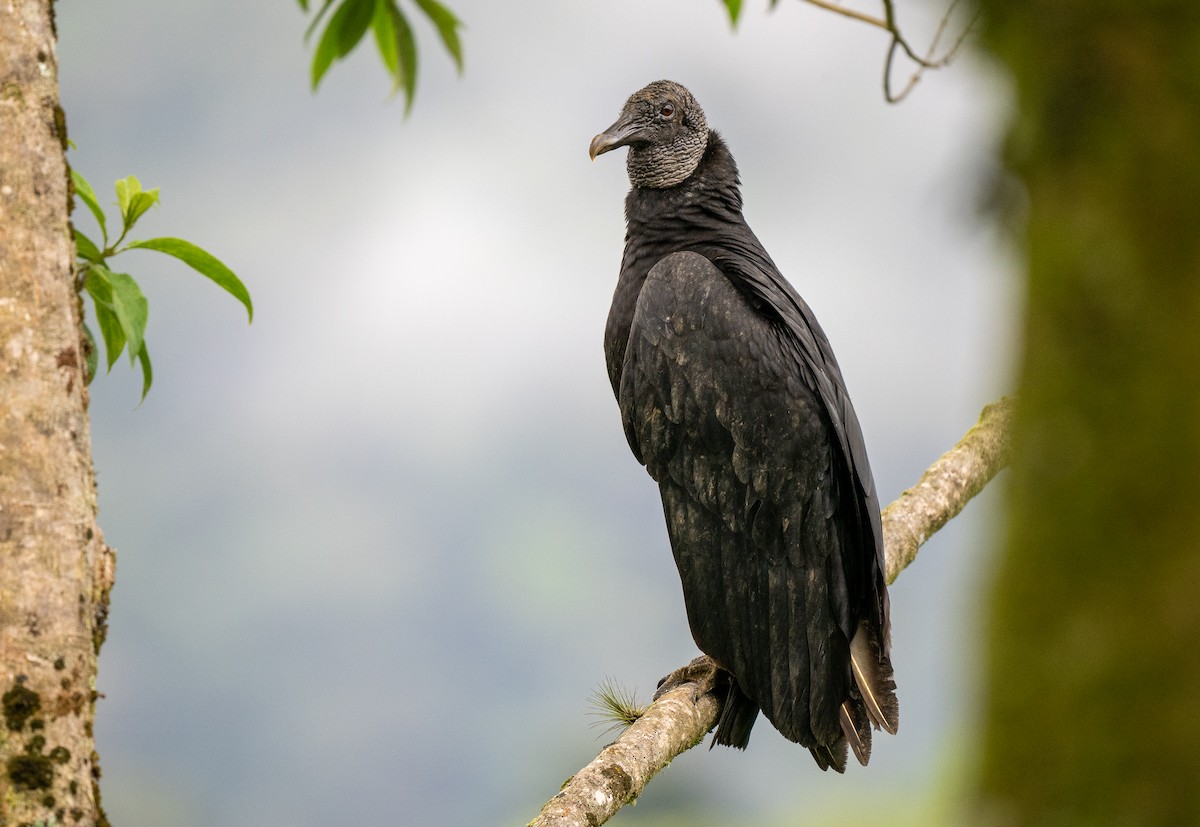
x,y
665,131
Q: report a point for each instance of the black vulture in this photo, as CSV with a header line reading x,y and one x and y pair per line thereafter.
x,y
731,397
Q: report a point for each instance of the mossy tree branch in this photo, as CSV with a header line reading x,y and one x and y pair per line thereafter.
x,y
680,718
946,487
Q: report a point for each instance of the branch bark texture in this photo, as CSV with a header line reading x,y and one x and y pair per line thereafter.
x,y
946,487
680,719
55,571
673,724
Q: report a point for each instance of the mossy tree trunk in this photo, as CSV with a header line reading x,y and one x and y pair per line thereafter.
x,y
55,570
1091,710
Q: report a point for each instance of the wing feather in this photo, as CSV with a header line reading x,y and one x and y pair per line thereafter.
x,y
739,450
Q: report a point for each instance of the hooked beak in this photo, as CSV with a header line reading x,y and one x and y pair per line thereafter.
x,y
619,134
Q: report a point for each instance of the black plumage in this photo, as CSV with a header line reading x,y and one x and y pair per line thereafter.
x,y
731,397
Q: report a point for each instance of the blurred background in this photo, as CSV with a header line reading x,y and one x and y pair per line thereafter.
x,y
376,550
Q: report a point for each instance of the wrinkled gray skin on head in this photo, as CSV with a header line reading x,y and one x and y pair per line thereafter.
x,y
666,133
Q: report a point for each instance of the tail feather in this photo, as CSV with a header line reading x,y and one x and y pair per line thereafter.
x,y
872,671
738,714
830,755
856,729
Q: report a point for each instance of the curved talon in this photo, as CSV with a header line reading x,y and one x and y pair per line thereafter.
x,y
702,673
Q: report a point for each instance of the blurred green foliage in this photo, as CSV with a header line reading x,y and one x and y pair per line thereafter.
x,y
350,21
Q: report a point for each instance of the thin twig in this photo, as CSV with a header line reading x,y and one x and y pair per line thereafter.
x,y
680,718
888,24
851,13
927,62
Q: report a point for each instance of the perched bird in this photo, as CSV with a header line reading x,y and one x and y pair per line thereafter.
x,y
731,397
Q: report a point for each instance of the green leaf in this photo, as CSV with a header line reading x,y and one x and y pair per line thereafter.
x,y
85,192
86,249
734,7
131,308
110,329
97,284
397,47
320,15
347,26
133,201
126,187
92,355
140,203
303,5
147,372
202,262
355,18
99,287
447,25
385,37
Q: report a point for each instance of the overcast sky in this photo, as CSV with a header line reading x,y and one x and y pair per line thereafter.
x,y
376,549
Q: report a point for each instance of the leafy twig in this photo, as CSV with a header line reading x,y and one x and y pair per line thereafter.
x,y
121,309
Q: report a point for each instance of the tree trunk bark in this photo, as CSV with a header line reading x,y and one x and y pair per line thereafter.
x,y
55,571
1090,711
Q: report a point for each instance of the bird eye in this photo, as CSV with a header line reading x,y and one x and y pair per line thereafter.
x,y
667,110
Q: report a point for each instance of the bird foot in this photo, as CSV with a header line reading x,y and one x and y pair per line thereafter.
x,y
701,673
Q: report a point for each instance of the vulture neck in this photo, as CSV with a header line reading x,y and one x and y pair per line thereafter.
x,y
695,214
692,207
